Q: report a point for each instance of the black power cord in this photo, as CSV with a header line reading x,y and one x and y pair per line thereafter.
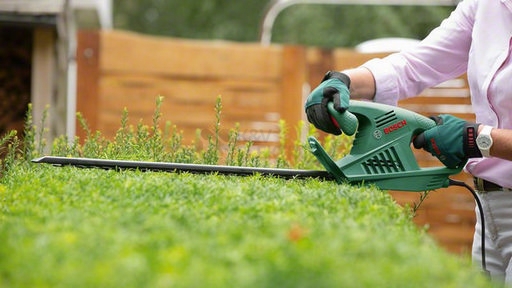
x,y
482,222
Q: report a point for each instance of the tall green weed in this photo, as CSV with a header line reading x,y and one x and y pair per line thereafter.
x,y
165,143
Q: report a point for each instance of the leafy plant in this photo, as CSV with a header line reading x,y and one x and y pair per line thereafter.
x,y
69,227
152,143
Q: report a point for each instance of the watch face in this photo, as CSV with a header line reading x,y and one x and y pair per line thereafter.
x,y
483,142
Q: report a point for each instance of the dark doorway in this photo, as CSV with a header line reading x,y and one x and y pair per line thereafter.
x,y
16,46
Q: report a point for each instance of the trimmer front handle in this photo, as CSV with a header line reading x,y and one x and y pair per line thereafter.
x,y
347,121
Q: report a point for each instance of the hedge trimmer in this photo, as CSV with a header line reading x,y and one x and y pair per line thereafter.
x,y
381,155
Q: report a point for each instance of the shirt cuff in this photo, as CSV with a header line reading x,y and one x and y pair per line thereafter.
x,y
386,87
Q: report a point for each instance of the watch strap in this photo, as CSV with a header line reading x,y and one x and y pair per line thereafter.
x,y
469,139
486,130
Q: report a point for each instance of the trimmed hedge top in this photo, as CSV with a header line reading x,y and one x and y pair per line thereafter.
x,y
67,227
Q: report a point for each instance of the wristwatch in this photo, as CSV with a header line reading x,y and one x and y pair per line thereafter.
x,y
484,141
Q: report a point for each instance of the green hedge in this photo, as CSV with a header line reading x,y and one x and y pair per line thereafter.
x,y
66,227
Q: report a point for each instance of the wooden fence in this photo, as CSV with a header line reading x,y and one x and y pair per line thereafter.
x,y
120,70
259,86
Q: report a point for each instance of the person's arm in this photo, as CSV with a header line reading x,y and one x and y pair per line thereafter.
x,y
441,56
502,143
362,83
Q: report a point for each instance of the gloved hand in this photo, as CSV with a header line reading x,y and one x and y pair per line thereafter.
x,y
333,88
452,141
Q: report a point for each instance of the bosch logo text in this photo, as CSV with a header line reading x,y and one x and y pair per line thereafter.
x,y
395,126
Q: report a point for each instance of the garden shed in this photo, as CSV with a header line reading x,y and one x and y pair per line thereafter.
x,y
38,58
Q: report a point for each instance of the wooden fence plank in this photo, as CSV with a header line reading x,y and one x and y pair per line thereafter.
x,y
293,73
187,58
88,74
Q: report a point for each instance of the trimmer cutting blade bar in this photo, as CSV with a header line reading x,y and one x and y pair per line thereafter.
x,y
183,167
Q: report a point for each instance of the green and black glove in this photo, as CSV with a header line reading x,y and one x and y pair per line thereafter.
x,y
333,88
452,141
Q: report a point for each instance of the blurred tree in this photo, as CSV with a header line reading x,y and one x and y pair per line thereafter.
x,y
348,25
212,19
315,25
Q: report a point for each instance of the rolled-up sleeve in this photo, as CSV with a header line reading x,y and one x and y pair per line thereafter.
x,y
441,56
386,86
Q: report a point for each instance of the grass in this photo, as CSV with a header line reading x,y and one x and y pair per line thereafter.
x,y
71,227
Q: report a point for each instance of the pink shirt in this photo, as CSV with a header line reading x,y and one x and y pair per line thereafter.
x,y
476,39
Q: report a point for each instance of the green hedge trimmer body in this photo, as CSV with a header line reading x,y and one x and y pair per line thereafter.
x,y
381,153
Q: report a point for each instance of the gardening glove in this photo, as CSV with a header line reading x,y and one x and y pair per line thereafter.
x,y
452,140
333,88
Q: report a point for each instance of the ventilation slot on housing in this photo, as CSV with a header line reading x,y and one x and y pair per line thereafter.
x,y
386,161
385,119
